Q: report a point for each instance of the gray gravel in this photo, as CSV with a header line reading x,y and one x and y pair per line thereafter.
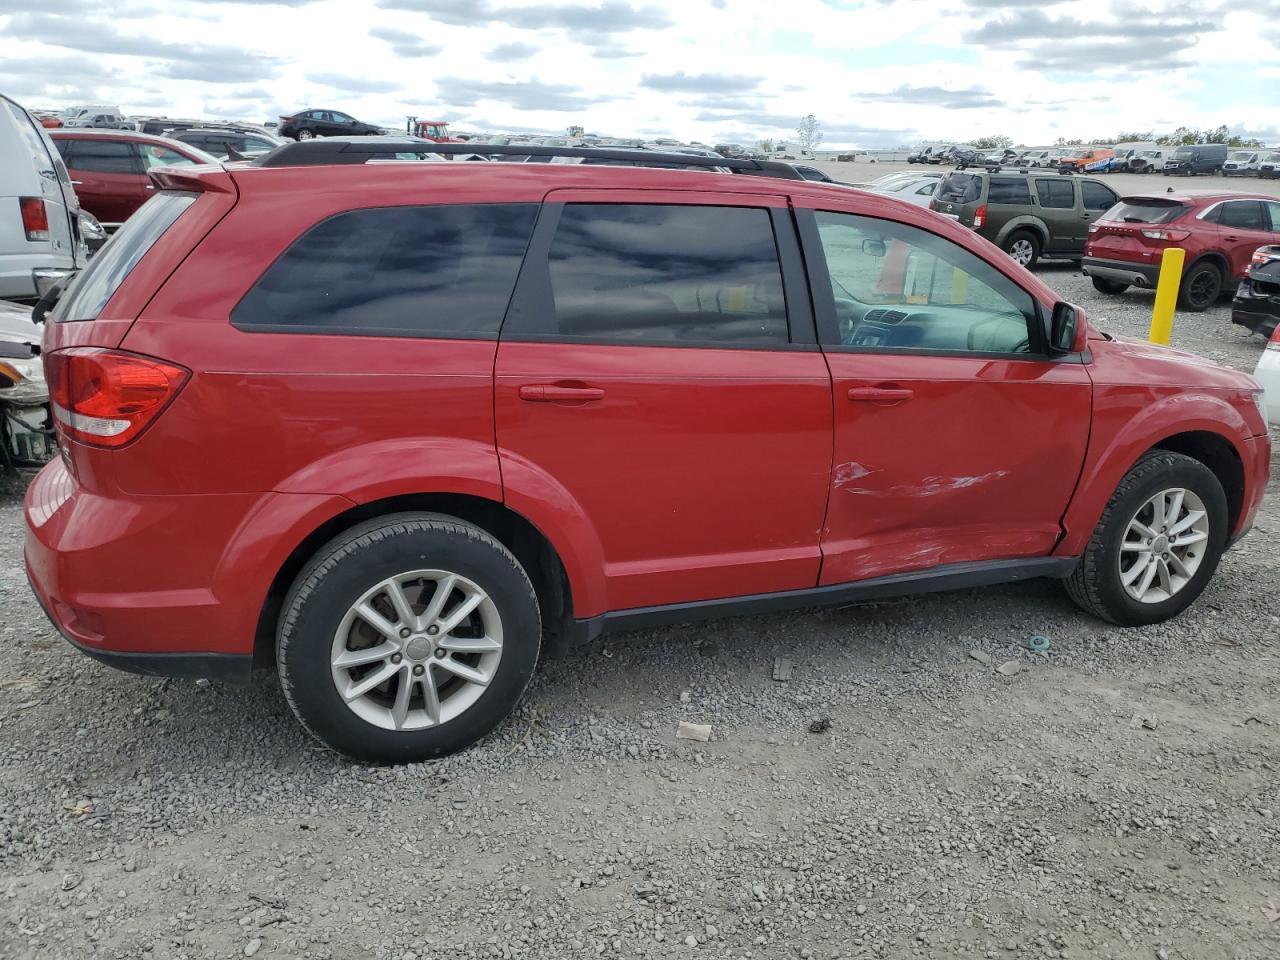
x,y
1117,796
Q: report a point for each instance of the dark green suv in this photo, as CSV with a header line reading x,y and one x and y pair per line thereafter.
x,y
1028,215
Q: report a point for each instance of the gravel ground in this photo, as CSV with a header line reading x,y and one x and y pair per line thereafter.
x,y
1117,796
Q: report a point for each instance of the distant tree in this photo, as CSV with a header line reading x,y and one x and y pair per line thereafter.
x,y
809,133
1063,142
998,142
766,146
1145,136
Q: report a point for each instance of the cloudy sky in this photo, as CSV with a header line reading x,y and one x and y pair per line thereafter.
x,y
875,72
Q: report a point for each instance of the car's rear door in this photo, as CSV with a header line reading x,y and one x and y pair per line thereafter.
x,y
108,177
659,385
957,439
1057,196
1243,227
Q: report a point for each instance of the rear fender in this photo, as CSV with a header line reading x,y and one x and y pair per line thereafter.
x,y
1128,431
1023,223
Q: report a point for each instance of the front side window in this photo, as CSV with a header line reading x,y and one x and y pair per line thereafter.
x,y
1273,212
105,156
153,156
900,288
1096,197
668,275
1056,194
423,271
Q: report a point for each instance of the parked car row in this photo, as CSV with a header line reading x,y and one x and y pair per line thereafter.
x,y
1189,160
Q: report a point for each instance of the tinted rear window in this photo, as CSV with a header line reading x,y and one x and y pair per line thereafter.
x,y
91,290
960,188
1146,211
396,271
1056,194
102,156
658,274
1009,190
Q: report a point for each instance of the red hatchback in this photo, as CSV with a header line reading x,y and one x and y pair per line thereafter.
x,y
110,168
1219,231
395,428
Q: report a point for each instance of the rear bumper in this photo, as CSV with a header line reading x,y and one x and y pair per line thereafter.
x,y
1121,271
163,585
1259,314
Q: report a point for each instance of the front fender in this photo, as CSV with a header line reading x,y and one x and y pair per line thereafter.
x,y
1129,421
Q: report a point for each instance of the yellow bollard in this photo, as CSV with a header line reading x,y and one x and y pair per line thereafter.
x,y
1166,295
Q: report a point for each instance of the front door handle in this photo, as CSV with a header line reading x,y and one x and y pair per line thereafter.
x,y
1230,237
559,393
885,394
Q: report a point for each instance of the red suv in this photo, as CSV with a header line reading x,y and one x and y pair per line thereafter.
x,y
110,168
395,428
1219,231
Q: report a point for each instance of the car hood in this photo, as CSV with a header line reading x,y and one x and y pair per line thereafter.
x,y
16,325
1152,363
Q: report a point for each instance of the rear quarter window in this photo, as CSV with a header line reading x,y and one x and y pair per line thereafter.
x,y
423,271
960,188
1009,190
91,290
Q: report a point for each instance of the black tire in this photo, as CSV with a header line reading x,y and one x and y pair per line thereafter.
x,y
1095,584
356,561
306,133
1113,287
1028,237
1201,287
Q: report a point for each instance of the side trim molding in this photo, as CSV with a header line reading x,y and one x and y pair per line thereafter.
x,y
956,576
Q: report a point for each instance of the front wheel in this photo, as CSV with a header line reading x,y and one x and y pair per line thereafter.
x,y
407,638
1024,247
1157,544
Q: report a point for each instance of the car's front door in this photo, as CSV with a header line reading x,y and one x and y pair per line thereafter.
x,y
659,386
1243,227
957,440
1057,196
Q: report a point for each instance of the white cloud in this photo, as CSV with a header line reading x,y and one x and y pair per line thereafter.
x,y
882,72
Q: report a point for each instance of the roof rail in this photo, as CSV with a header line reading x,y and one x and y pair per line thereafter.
x,y
357,150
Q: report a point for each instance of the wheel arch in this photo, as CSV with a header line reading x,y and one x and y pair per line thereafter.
x,y
1027,223
1218,259
535,551
1218,454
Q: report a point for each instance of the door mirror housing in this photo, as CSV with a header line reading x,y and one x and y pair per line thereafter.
x,y
1068,329
873,248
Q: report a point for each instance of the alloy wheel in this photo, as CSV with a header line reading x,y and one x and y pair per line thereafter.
x,y
1204,287
417,650
1163,545
1022,251
305,134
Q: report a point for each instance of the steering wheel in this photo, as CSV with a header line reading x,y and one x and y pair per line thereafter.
x,y
984,337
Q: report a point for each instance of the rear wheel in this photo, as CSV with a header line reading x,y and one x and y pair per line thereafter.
x,y
305,134
1157,544
1108,286
1024,247
408,637
1201,287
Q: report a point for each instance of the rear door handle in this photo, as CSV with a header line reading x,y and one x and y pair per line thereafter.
x,y
880,394
558,393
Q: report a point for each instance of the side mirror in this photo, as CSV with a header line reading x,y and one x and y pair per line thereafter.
x,y
873,248
1068,329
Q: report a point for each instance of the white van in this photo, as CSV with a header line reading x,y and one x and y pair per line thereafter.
x,y
99,115
39,229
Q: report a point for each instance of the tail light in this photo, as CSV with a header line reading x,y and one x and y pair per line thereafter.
x,y
105,398
1173,236
35,218
1260,257
1274,342
980,217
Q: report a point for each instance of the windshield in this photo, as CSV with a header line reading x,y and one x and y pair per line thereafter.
x,y
1146,210
1150,153
959,188
91,290
1272,157
1240,155
1184,152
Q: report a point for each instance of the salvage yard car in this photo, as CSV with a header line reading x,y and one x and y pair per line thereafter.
x,y
1196,158
1219,232
1027,215
506,408
1257,301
